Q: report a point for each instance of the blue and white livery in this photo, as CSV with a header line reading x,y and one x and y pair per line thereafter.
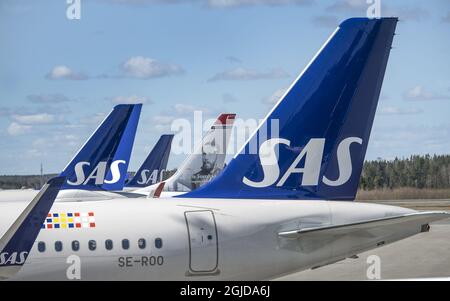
x,y
322,123
152,169
102,162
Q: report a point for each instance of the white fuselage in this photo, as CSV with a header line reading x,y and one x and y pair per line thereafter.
x,y
78,195
199,239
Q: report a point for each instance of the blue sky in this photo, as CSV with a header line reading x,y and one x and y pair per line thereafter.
x,y
59,77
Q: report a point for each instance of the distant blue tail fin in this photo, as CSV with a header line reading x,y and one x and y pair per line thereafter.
x,y
102,162
151,170
313,143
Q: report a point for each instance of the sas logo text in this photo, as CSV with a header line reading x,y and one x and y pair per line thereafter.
x,y
15,258
312,154
150,177
98,173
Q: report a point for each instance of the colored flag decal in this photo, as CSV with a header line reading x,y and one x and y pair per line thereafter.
x,y
69,220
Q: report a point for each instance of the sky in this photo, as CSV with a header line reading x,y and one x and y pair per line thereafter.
x,y
59,77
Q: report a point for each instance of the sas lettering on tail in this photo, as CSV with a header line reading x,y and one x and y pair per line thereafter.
x,y
13,258
324,123
102,162
152,169
312,154
150,177
98,173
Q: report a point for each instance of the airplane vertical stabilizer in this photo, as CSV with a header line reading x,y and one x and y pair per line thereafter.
x,y
153,167
313,143
102,162
207,160
16,243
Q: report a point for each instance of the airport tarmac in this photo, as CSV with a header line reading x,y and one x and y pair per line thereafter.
x,y
426,255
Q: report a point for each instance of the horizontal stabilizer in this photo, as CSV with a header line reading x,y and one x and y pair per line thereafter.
x,y
419,218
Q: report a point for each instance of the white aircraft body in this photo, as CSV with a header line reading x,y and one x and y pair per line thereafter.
x,y
208,239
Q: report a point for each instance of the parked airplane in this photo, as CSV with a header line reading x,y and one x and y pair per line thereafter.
x,y
16,243
101,163
207,161
151,171
267,214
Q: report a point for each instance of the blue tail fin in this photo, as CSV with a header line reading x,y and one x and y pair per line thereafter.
x,y
151,170
313,143
16,243
102,162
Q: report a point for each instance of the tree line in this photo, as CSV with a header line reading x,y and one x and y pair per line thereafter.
x,y
36,181
417,171
422,172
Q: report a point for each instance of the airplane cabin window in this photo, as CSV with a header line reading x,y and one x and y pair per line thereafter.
x,y
142,243
92,245
41,246
58,246
108,244
158,243
75,245
125,244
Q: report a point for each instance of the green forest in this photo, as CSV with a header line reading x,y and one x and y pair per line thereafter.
x,y
422,172
414,177
36,181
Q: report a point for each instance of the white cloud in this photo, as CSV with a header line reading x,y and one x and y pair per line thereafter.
x,y
92,119
406,13
32,119
34,153
48,98
17,129
148,1
163,119
228,98
359,7
217,3
237,3
185,109
390,141
399,111
233,59
272,99
326,21
346,6
162,123
56,110
419,93
132,99
64,72
135,67
146,68
68,140
241,73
